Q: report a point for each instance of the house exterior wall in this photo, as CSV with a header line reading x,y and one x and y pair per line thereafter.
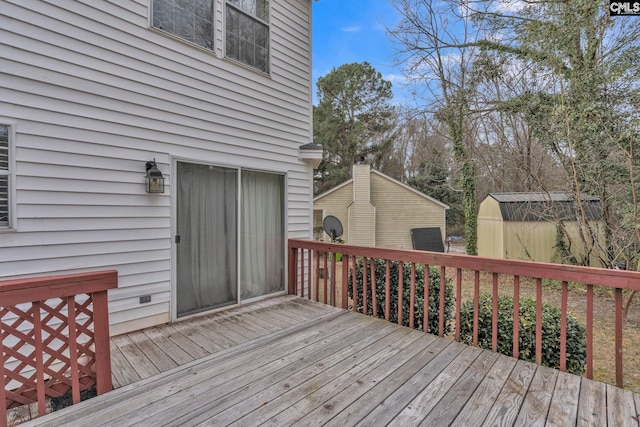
x,y
398,210
93,92
337,204
388,219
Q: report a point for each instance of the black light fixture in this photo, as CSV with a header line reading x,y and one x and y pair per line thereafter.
x,y
154,179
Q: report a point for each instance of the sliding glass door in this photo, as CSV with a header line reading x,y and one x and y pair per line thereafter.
x,y
206,238
262,234
210,234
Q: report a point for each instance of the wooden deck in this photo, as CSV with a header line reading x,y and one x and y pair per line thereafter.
x,y
288,361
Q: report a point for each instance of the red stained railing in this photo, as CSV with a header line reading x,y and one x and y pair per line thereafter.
x,y
307,282
55,337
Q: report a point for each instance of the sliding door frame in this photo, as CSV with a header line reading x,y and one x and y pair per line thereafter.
x,y
174,227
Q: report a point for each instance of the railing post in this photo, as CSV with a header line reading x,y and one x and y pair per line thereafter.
x,y
317,276
354,282
374,288
345,281
310,261
333,279
589,331
618,344
563,325
387,290
39,358
412,294
494,316
539,321
293,257
101,338
516,316
476,306
3,391
365,291
443,284
400,290
426,280
301,272
73,349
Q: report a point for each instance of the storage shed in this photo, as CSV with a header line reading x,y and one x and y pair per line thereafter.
x,y
377,210
524,225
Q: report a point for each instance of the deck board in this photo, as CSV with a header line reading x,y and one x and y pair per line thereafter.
x,y
535,406
425,400
386,400
563,410
176,352
621,408
289,361
452,402
477,407
507,406
592,404
161,360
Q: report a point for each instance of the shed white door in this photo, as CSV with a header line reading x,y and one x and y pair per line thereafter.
x,y
207,237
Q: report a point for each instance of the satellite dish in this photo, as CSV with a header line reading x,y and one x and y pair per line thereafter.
x,y
333,227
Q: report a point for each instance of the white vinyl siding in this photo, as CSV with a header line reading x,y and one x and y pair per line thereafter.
x,y
94,94
4,176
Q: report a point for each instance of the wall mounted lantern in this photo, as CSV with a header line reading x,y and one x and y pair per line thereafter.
x,y
154,179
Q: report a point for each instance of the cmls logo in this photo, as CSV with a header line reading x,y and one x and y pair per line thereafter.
x,y
624,8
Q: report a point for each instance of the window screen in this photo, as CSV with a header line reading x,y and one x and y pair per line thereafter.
x,y
247,32
191,20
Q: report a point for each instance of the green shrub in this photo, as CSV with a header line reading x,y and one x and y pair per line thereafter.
x,y
576,332
434,294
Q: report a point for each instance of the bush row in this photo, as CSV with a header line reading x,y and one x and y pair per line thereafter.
x,y
434,294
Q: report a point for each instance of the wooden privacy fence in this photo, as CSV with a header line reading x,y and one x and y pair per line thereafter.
x,y
310,267
55,337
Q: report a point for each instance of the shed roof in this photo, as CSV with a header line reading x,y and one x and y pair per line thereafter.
x,y
543,206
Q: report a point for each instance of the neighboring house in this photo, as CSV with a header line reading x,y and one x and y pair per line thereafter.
x,y
377,210
218,93
525,225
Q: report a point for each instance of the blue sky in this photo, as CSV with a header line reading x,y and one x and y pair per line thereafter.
x,y
346,31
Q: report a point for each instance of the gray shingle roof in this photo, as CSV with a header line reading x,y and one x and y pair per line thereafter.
x,y
546,206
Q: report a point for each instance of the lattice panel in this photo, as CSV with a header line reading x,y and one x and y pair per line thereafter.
x,y
50,342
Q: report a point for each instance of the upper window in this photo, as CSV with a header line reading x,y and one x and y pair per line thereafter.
x,y
191,20
4,175
247,32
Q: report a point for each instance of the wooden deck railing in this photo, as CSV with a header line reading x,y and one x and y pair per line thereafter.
x,y
313,257
55,337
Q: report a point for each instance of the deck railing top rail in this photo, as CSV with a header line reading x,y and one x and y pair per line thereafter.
x,y
18,291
